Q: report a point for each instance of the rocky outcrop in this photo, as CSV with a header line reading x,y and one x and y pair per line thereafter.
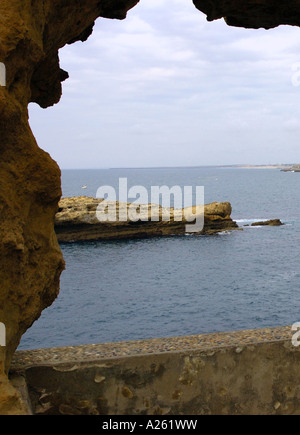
x,y
271,223
77,220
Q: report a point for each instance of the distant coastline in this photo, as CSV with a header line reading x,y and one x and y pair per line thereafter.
x,y
262,166
238,166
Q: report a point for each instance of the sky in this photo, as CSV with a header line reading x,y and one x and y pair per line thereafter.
x,y
167,88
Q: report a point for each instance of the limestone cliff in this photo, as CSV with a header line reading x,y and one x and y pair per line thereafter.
x,y
76,220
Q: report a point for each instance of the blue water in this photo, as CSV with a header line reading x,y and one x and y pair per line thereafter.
x,y
127,290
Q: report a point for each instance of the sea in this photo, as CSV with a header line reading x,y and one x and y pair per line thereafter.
x,y
181,285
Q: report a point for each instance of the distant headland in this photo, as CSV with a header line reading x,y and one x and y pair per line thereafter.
x,y
284,167
294,168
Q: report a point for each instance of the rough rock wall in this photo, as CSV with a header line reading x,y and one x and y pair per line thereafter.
x,y
31,33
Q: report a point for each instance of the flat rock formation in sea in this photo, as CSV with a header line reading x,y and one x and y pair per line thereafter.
x,y
271,223
76,220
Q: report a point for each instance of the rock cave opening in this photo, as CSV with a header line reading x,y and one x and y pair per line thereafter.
x,y
32,33
135,60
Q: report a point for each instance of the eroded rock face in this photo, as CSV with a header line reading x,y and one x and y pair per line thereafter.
x,y
31,33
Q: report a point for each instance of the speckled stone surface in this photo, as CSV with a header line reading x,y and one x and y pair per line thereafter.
x,y
92,352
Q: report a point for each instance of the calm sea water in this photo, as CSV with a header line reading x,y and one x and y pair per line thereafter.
x,y
127,290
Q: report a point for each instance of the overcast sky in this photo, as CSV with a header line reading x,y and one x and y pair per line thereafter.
x,y
166,88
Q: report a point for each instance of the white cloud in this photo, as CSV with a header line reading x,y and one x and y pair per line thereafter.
x,y
292,124
134,24
165,85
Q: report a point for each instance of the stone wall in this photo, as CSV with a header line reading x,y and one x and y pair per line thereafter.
x,y
238,373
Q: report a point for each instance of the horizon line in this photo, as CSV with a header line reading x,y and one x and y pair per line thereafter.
x,y
237,165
